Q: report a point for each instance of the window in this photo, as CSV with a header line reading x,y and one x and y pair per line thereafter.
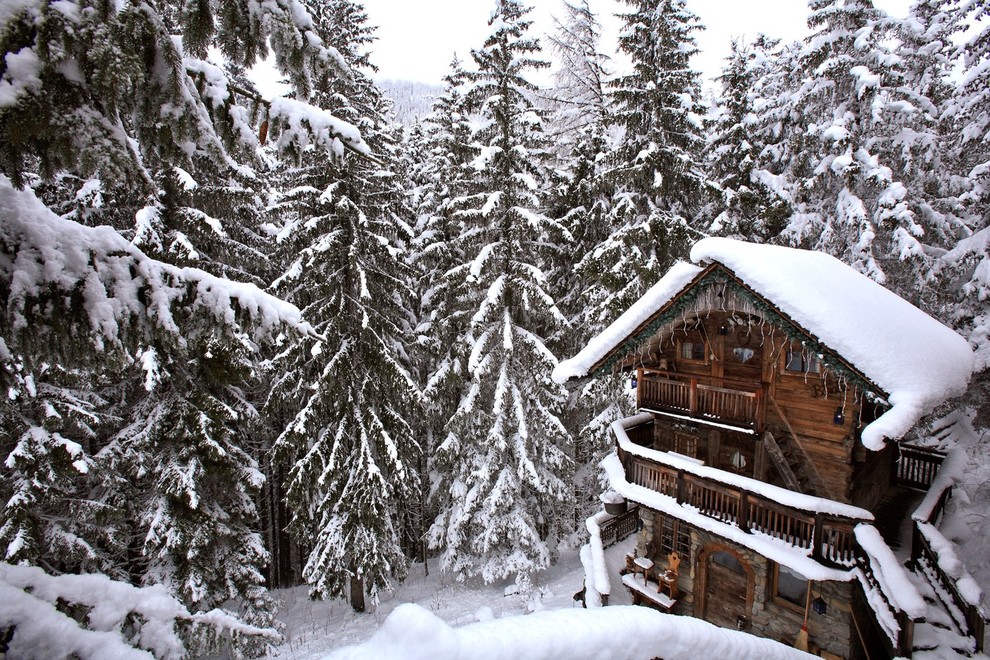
x,y
789,586
692,350
728,560
672,535
686,444
802,362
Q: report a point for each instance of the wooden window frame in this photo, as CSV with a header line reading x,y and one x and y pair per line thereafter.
x,y
706,351
808,360
679,538
689,442
775,594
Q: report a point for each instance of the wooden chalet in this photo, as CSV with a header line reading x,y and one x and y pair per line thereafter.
x,y
767,465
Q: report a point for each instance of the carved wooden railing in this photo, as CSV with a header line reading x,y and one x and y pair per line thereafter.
x,y
829,538
723,400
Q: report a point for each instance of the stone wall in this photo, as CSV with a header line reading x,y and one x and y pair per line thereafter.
x,y
769,617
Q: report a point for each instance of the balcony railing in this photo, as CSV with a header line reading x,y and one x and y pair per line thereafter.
x,y
720,400
830,538
836,534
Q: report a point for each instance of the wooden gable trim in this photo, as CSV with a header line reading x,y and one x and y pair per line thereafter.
x,y
649,326
719,274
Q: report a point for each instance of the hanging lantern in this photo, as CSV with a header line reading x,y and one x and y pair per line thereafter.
x,y
632,382
840,417
819,605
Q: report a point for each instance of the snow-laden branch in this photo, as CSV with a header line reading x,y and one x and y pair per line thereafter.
x,y
32,604
51,266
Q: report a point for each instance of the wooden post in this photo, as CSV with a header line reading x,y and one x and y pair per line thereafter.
x,y
639,387
743,518
693,397
681,487
817,535
759,413
977,626
905,638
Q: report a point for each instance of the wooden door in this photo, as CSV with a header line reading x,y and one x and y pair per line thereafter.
x,y
728,589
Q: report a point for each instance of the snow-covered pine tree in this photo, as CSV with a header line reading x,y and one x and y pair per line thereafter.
x,y
971,107
751,208
577,98
99,105
853,201
441,177
582,129
503,467
965,269
660,188
348,447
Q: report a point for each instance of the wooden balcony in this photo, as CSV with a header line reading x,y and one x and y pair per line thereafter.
x,y
707,399
829,537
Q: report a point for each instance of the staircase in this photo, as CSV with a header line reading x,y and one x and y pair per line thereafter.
x,y
940,634
792,461
794,466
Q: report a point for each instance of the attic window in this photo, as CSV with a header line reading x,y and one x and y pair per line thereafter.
x,y
692,350
802,362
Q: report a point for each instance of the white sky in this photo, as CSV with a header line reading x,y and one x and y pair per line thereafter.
x,y
417,39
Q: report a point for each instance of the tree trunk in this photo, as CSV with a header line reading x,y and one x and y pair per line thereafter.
x,y
357,593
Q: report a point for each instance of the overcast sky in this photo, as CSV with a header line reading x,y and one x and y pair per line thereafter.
x,y
417,39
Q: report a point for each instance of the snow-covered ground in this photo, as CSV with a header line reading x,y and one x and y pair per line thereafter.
x,y
314,628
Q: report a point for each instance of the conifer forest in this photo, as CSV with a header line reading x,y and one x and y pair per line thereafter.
x,y
248,343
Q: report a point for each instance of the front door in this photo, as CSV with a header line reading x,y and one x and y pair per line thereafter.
x,y
728,588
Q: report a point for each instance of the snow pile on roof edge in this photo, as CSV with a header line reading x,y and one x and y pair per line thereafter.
x,y
621,633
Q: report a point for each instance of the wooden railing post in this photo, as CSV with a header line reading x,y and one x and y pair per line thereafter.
x,y
905,638
743,518
640,386
681,487
817,535
759,412
693,397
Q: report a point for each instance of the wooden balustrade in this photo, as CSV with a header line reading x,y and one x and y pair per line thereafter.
x,y
719,400
830,538
619,527
918,461
917,466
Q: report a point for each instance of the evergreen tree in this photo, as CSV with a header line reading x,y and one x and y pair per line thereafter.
x,y
659,184
129,138
502,468
349,447
752,209
854,199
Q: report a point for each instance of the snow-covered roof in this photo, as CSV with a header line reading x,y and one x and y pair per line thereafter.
x,y
916,361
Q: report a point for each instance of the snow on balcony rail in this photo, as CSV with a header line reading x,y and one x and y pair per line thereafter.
x,y
623,633
777,494
595,571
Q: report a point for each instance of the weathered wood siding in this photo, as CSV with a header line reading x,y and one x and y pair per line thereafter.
x,y
740,347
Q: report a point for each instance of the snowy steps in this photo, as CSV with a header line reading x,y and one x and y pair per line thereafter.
x,y
938,635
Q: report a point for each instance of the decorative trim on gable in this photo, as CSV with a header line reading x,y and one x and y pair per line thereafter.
x,y
696,297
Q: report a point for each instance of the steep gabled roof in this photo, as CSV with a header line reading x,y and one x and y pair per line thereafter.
x,y
877,337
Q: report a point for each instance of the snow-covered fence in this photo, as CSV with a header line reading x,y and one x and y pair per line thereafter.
x,y
894,600
603,531
935,555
